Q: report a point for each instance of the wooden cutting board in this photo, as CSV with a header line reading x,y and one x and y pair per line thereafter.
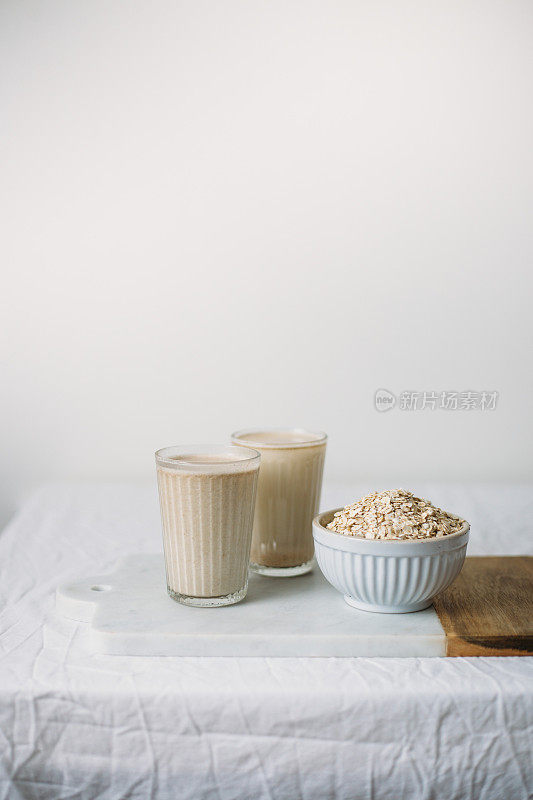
x,y
488,609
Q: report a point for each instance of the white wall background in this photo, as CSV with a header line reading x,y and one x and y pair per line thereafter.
x,y
224,214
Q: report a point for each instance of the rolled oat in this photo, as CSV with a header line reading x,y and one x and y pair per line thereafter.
x,y
394,514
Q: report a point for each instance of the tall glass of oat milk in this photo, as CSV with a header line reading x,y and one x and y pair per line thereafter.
x,y
288,495
207,496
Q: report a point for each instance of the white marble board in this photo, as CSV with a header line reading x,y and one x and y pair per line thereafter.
x,y
128,612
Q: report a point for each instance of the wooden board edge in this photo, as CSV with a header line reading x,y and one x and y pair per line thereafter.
x,y
488,646
474,590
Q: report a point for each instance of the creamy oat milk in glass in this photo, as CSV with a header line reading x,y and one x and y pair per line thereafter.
x,y
207,497
288,495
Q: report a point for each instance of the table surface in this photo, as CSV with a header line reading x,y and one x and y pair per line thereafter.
x,y
73,725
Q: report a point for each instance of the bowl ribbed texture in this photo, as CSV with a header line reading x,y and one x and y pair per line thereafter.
x,y
388,575
389,581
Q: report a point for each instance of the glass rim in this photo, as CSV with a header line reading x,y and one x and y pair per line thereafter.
x,y
315,438
166,456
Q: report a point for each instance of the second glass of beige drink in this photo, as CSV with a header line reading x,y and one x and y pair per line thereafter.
x,y
207,496
288,494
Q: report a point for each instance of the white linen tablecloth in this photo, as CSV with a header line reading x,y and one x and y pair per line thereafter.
x,y
79,726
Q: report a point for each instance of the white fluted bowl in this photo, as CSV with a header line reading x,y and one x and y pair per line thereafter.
x,y
384,575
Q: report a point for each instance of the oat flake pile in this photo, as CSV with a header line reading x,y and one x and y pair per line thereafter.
x,y
394,514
